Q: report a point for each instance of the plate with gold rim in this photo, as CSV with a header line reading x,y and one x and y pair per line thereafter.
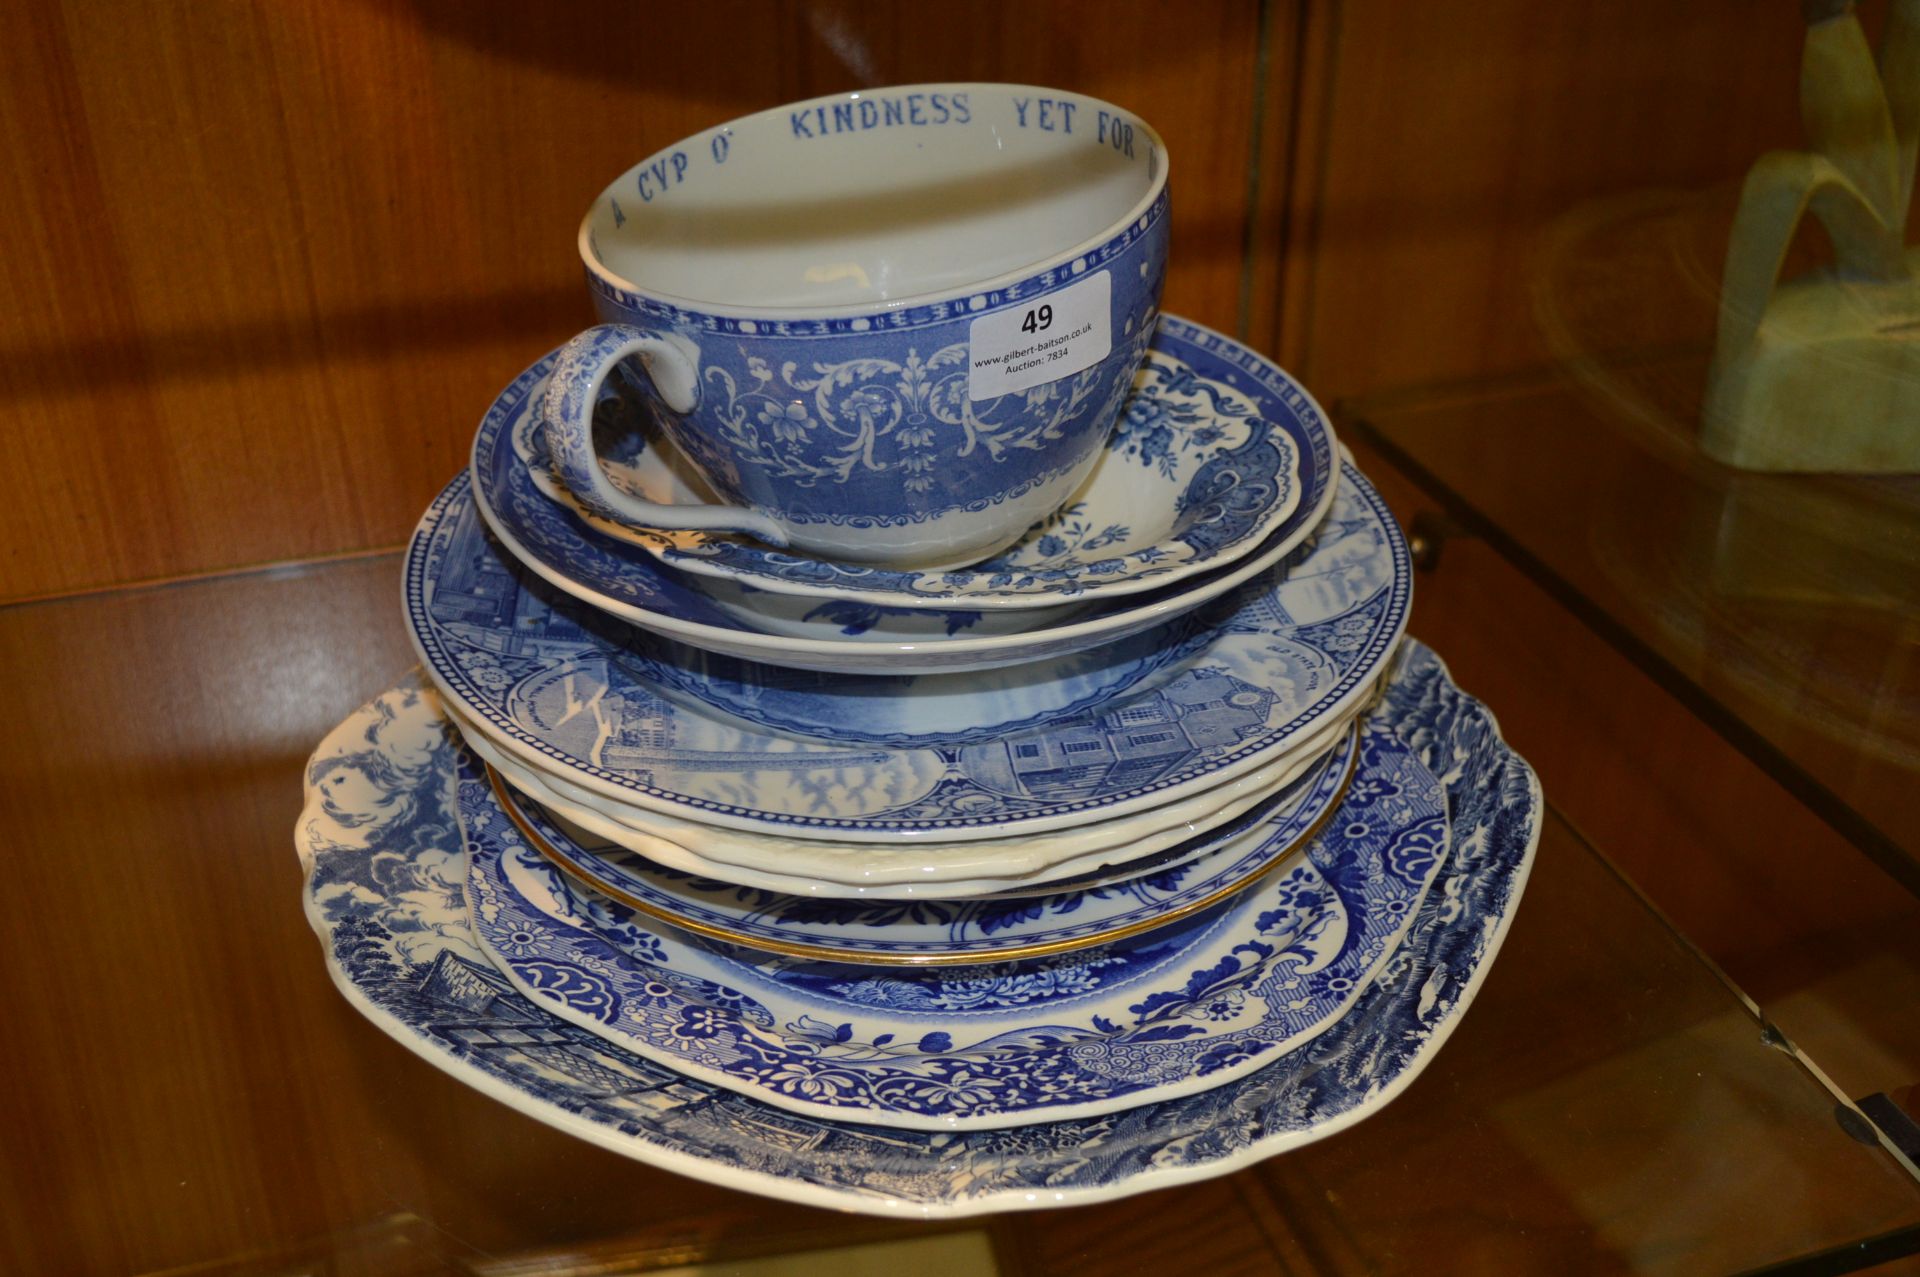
x,y
381,864
1174,1011
932,932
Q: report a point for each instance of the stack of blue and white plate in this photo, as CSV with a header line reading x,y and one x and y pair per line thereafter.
x,y
1146,849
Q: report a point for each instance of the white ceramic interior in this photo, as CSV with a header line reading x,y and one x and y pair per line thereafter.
x,y
845,203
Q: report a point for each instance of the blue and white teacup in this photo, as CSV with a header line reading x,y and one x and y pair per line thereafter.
x,y
889,327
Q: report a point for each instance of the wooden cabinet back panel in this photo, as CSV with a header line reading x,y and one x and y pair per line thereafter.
x,y
267,265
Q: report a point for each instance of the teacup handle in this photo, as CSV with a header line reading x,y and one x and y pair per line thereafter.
x,y
573,389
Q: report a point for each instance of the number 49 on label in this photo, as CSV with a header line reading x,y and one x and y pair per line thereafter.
x,y
1020,346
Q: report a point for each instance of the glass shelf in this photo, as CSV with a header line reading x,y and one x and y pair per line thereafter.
x,y
1610,1101
1784,610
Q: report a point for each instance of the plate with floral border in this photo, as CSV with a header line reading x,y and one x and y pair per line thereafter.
x,y
624,580
971,1047
934,932
384,895
563,687
1196,473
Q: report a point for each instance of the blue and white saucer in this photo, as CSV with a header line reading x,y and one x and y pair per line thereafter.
x,y
953,1048
1197,473
839,635
583,697
384,872
1172,885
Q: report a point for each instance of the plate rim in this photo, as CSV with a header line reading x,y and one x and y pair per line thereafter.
x,y
856,1198
1060,814
932,958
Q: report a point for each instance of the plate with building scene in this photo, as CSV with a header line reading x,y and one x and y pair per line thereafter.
x,y
559,685
1020,864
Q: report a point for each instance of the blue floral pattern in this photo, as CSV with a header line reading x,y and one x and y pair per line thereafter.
x,y
864,426
401,951
616,576
1223,447
1270,967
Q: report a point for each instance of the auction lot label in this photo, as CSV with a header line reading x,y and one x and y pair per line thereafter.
x,y
1026,346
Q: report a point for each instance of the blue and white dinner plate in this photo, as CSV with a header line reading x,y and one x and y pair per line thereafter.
x,y
583,697
1197,472
381,852
916,710
918,870
841,635
1172,885
971,1047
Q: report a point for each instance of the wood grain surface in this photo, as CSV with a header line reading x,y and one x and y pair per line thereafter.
x,y
266,265
1450,136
